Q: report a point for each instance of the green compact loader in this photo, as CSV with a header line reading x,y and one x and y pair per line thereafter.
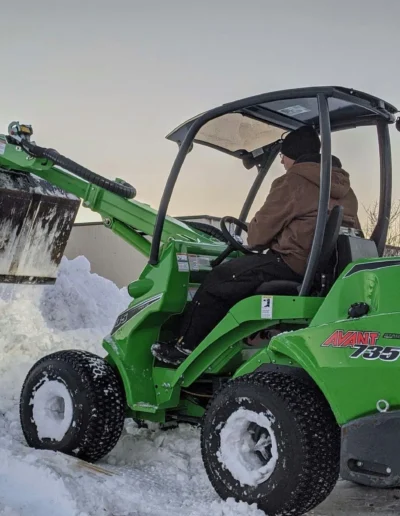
x,y
298,385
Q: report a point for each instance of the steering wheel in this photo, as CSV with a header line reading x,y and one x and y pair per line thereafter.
x,y
233,242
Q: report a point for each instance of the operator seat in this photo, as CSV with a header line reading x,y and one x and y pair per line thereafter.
x,y
349,247
292,288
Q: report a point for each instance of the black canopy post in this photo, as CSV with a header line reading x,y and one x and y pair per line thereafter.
x,y
262,171
379,234
169,187
324,194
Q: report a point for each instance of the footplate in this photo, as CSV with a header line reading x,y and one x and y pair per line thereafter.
x,y
370,453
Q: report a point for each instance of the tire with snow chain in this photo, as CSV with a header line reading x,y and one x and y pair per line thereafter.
x,y
271,439
73,402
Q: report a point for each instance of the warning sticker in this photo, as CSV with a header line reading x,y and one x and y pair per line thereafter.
x,y
294,110
194,262
2,147
183,264
266,307
199,262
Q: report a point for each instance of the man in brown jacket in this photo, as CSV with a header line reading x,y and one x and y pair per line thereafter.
x,y
284,225
286,221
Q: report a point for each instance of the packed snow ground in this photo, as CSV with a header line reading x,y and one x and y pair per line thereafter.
x,y
150,472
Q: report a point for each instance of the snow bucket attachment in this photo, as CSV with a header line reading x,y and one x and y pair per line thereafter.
x,y
36,220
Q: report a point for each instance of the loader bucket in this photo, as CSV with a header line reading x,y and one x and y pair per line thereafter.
x,y
36,220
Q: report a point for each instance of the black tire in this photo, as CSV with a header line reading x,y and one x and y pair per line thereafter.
x,y
306,435
93,407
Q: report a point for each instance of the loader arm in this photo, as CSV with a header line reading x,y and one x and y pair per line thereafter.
x,y
130,219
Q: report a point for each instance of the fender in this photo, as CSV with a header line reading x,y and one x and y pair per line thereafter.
x,y
355,373
225,341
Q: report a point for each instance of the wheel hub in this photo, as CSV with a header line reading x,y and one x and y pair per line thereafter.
x,y
55,408
52,410
262,442
248,446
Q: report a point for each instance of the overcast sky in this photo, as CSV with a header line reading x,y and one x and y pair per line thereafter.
x,y
104,82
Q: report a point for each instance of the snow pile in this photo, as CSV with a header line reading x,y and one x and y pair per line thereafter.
x,y
77,300
82,300
27,487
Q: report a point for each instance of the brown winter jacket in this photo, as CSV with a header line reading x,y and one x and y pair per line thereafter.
x,y
286,221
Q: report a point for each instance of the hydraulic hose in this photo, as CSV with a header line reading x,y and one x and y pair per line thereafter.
x,y
122,189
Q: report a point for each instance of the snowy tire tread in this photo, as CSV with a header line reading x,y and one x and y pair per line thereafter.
x,y
319,437
101,406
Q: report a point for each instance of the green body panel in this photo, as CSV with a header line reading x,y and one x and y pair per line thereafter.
x,y
352,385
263,356
220,352
378,287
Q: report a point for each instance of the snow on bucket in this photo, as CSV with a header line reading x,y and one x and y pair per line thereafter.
x,y
36,220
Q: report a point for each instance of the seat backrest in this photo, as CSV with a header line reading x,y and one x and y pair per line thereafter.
x,y
331,235
351,248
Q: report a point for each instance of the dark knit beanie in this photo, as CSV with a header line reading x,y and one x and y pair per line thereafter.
x,y
301,141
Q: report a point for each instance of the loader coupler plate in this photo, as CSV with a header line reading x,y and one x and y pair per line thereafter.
x,y
36,220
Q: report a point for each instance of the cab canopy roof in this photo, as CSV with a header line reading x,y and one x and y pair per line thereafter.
x,y
246,126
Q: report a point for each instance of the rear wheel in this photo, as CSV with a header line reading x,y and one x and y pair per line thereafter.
x,y
272,440
73,402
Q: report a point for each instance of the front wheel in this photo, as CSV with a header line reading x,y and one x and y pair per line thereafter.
x,y
272,440
73,402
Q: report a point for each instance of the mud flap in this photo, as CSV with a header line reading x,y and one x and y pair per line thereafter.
x,y
370,454
36,220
